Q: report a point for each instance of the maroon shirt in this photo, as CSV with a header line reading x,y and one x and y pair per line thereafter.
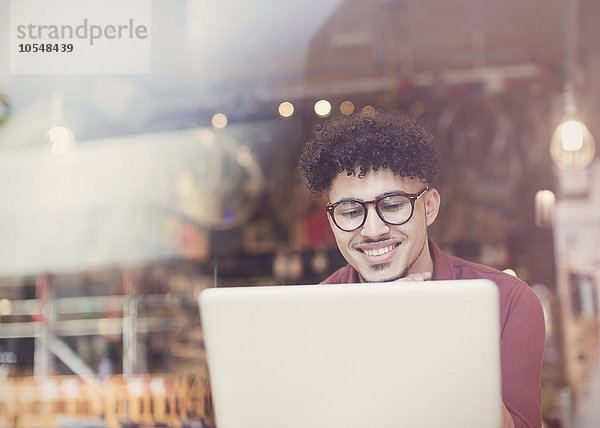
x,y
522,331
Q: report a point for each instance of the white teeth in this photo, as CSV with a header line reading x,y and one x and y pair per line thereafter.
x,y
379,252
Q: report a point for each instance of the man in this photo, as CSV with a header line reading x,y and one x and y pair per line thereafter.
x,y
377,171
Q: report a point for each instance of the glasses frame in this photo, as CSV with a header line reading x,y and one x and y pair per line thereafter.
x,y
412,197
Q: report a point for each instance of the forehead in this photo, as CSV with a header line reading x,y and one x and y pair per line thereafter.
x,y
373,184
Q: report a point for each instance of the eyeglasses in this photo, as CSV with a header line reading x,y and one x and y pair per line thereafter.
x,y
394,209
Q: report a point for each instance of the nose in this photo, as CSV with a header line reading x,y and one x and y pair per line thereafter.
x,y
374,227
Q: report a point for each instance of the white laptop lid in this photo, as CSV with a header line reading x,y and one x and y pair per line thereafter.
x,y
340,356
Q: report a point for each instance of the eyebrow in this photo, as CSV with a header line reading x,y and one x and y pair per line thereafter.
x,y
380,196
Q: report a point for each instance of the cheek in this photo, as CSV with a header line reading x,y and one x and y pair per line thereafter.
x,y
331,223
333,227
342,239
340,236
413,230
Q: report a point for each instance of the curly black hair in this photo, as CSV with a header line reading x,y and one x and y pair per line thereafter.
x,y
383,139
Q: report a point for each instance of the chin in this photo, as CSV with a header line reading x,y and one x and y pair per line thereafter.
x,y
382,277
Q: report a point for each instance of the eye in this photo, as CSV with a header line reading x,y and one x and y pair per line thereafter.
x,y
349,210
394,203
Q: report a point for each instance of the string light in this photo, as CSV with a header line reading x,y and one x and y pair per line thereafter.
x,y
368,111
347,107
286,109
322,108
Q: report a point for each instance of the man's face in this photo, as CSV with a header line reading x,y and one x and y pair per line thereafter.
x,y
378,251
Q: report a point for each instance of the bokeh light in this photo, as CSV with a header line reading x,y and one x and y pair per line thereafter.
x,y
545,203
60,140
368,111
347,107
572,145
286,109
417,109
571,133
322,108
219,121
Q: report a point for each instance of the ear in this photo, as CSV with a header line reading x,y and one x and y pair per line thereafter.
x,y
432,205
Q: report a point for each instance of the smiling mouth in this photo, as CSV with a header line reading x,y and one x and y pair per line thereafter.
x,y
379,251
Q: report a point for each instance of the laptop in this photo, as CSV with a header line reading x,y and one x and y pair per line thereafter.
x,y
384,355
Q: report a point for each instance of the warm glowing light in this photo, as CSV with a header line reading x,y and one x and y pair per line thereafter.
x,y
368,111
572,135
572,145
60,140
322,108
347,107
510,272
286,109
5,307
219,120
545,202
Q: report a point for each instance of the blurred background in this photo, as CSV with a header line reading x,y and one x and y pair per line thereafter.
x,y
124,196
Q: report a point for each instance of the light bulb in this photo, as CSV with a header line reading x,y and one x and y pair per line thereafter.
x,y
572,135
545,204
60,139
572,145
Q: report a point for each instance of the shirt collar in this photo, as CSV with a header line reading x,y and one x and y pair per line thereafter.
x,y
441,263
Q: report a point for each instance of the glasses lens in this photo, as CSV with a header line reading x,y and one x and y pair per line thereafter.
x,y
348,215
395,209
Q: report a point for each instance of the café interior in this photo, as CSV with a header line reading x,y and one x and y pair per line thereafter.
x,y
124,195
